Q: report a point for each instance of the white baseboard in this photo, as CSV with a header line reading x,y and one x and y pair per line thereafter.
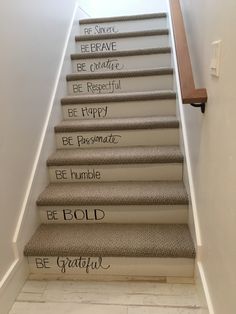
x,y
12,283
203,291
84,12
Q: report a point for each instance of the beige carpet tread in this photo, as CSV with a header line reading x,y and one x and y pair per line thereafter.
x,y
114,193
135,96
155,32
117,155
110,240
123,53
136,123
120,74
123,18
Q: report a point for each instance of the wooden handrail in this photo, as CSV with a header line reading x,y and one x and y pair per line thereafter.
x,y
190,95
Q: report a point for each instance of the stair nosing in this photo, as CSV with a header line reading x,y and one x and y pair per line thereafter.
x,y
122,53
135,96
121,74
157,32
123,18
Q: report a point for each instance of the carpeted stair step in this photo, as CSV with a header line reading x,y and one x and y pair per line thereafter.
x,y
113,248
120,82
144,131
119,105
122,23
117,155
118,124
110,240
114,193
153,38
116,164
112,202
121,60
122,18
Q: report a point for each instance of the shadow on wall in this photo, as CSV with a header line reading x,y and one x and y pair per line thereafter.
x,y
122,7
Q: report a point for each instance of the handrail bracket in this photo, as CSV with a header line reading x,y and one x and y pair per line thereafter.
x,y
200,105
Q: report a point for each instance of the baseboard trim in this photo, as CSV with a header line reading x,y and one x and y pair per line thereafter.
x,y
9,273
12,283
84,11
205,289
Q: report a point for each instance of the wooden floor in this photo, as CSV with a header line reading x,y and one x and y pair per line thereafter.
x,y
72,297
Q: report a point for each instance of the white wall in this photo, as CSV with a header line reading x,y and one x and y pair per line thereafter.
x,y
97,8
32,39
211,140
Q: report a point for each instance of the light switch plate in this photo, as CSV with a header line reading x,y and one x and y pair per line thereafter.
x,y
215,59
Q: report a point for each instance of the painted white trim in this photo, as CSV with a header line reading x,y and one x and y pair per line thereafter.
x,y
8,274
12,283
205,287
187,160
85,12
115,266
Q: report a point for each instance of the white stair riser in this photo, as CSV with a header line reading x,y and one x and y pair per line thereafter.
x,y
116,266
115,64
120,85
120,44
117,138
165,107
145,214
100,173
122,26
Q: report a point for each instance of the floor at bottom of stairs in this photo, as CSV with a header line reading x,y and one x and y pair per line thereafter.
x,y
73,297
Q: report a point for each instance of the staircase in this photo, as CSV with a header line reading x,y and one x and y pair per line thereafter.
x,y
116,206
